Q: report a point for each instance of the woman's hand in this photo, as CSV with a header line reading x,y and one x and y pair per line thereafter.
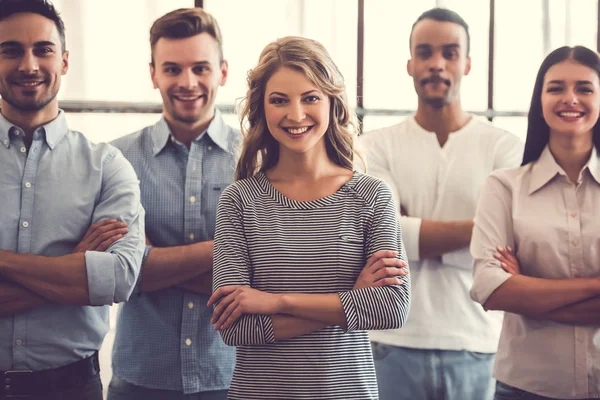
x,y
382,269
239,300
508,261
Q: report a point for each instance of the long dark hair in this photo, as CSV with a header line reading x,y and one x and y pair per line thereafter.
x,y
538,131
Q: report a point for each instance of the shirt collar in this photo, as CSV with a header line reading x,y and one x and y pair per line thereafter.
x,y
53,130
217,131
546,168
594,165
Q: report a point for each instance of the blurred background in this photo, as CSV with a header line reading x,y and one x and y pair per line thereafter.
x,y
107,92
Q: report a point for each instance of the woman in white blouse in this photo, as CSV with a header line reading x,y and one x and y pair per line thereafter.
x,y
536,241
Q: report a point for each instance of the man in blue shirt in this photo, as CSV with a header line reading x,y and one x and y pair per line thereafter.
x,y
165,347
54,184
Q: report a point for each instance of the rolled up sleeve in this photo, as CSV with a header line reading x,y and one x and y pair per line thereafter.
x,y
493,227
411,229
112,275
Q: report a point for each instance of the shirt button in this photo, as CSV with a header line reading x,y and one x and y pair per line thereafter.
x,y
192,236
209,147
25,224
23,150
19,342
190,305
188,342
6,142
575,243
192,199
27,185
573,214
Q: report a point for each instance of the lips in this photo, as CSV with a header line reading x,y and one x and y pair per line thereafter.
x,y
435,79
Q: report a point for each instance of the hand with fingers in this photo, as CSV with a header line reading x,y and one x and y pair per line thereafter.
x,y
507,259
236,301
101,235
382,269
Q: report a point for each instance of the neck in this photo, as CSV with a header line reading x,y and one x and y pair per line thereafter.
x,y
571,153
309,166
29,121
186,132
443,120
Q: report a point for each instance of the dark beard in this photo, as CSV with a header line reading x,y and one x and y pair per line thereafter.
x,y
436,102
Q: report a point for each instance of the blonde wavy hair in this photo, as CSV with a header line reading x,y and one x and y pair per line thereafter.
x,y
260,151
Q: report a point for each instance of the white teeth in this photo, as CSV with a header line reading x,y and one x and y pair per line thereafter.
x,y
297,131
188,98
28,83
570,114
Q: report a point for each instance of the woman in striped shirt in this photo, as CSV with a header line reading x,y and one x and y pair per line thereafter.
x,y
308,252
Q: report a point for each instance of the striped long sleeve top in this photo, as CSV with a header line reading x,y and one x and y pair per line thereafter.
x,y
277,245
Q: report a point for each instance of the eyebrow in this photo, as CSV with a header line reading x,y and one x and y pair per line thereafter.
x,y
559,82
445,46
285,95
14,43
171,63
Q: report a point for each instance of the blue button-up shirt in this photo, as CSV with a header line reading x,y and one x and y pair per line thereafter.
x,y
49,196
164,339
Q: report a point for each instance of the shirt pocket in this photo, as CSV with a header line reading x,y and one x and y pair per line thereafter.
x,y
351,258
210,200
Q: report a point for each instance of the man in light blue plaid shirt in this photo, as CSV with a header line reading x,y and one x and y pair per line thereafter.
x,y
165,347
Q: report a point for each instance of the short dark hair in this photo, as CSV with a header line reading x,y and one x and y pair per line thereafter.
x,y
41,7
538,131
442,15
184,23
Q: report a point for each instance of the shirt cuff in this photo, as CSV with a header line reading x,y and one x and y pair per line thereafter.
x,y
411,229
486,280
349,308
100,268
137,289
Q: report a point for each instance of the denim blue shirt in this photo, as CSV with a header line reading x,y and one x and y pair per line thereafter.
x,y
164,339
49,196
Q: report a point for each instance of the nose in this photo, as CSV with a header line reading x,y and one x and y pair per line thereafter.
x,y
437,63
570,98
29,63
187,80
296,112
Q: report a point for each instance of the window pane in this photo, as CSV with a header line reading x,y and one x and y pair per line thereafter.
x,y
516,125
519,52
387,30
376,122
573,22
100,127
249,29
109,48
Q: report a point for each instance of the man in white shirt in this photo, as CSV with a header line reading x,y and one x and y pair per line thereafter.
x,y
436,162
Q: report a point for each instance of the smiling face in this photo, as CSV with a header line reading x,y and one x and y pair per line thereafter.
x,y
188,73
571,99
438,61
31,64
296,111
